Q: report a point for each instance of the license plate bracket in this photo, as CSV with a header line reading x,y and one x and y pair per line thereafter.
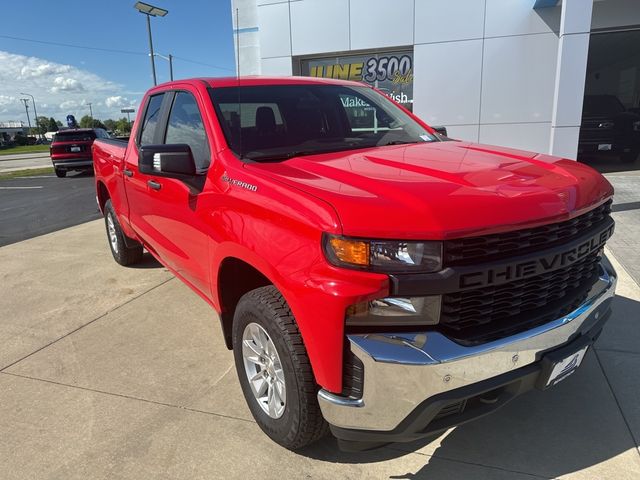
x,y
560,364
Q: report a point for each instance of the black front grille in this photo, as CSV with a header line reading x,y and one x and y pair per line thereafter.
x,y
484,314
352,375
472,250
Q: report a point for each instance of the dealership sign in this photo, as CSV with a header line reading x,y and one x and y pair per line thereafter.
x,y
391,72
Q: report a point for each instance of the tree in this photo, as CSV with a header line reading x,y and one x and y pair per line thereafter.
x,y
88,122
59,123
52,125
123,125
41,125
110,124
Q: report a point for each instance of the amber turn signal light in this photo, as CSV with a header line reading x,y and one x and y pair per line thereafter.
x,y
355,252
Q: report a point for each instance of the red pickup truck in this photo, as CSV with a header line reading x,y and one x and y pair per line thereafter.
x,y
371,276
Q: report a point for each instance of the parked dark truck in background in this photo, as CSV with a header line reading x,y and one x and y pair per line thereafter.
x,y
370,275
609,129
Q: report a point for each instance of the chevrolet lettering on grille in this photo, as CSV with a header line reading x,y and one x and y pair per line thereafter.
x,y
536,266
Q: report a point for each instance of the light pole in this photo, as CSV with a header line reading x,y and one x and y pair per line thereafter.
x,y
26,109
90,110
127,111
35,112
151,11
170,60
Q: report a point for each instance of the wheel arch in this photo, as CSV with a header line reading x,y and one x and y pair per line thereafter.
x,y
103,194
235,277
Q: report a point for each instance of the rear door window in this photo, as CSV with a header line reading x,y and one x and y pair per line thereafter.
x,y
150,121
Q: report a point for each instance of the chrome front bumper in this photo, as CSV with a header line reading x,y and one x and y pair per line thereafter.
x,y
403,370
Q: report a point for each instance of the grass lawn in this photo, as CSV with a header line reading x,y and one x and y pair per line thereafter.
x,y
26,173
24,149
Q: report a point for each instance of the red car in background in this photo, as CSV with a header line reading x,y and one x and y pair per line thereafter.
x,y
71,149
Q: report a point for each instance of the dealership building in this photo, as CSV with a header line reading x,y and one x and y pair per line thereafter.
x,y
504,72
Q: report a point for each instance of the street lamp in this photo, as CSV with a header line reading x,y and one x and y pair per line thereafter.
x,y
170,60
35,112
151,11
26,109
128,111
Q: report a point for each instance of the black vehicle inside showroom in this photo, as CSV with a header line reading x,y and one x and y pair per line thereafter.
x,y
610,129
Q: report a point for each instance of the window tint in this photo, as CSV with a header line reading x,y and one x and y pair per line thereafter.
x,y
279,121
249,115
151,119
74,136
102,133
185,126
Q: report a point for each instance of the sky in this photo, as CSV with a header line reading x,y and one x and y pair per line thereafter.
x,y
64,79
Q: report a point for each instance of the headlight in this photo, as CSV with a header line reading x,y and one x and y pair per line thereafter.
x,y
385,256
394,311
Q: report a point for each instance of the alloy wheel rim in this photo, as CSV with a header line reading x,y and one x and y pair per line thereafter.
x,y
264,370
111,228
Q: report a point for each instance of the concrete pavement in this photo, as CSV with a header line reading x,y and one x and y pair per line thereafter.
x,y
112,372
626,212
24,161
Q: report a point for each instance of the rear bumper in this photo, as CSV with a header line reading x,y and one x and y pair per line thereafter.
x,y
414,382
81,163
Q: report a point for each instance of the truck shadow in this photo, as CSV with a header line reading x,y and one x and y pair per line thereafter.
x,y
571,427
148,261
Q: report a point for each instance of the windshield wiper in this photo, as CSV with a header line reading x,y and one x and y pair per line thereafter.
x,y
399,142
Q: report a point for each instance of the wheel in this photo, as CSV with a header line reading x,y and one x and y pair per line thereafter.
x,y
274,370
121,253
60,173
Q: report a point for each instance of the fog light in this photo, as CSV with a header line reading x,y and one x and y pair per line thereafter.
x,y
395,311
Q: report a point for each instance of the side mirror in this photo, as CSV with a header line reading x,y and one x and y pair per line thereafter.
x,y
173,160
441,130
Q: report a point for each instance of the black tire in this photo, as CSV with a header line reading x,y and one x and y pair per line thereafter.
x,y
60,173
122,254
301,422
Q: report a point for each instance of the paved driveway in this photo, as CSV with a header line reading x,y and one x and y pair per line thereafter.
x,y
112,372
32,206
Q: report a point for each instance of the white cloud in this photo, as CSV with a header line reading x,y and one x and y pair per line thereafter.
x,y
62,84
34,69
58,89
7,100
117,101
70,104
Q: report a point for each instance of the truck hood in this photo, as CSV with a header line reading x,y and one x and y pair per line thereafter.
x,y
442,190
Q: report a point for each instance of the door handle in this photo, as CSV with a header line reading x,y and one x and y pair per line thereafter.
x,y
127,172
154,185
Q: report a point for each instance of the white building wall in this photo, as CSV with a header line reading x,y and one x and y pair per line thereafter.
x,y
486,69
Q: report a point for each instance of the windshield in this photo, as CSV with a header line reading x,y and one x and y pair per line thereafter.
x,y
275,122
601,105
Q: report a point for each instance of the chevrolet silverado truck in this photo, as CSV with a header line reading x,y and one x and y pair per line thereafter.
x,y
371,276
